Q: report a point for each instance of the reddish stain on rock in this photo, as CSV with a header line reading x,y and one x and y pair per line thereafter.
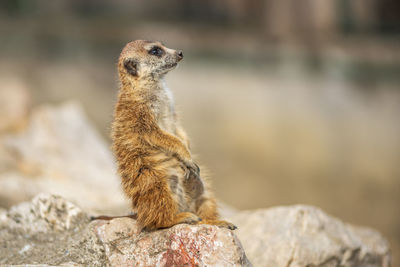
x,y
186,252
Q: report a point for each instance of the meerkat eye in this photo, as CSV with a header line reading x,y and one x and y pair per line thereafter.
x,y
156,51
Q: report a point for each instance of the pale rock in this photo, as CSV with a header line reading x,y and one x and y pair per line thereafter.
x,y
60,152
306,236
14,104
50,231
181,245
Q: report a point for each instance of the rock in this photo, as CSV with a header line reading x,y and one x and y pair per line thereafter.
x,y
14,104
181,245
14,108
51,231
306,236
60,152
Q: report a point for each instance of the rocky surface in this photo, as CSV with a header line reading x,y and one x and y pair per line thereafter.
x,y
50,230
306,236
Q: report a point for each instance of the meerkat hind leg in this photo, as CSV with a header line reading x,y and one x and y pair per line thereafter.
x,y
219,223
157,209
183,217
186,217
207,211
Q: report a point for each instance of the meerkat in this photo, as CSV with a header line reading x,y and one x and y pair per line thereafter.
x,y
152,150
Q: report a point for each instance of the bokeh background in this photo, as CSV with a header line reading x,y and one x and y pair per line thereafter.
x,y
285,101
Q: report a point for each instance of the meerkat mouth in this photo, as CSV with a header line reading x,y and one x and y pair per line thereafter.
x,y
171,65
168,67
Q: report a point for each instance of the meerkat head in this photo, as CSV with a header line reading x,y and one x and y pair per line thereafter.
x,y
144,59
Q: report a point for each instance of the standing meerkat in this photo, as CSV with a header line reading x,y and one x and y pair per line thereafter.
x,y
152,150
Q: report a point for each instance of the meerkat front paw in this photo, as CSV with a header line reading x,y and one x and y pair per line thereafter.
x,y
193,170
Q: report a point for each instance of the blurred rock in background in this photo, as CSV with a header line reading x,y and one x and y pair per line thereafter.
x,y
306,236
285,101
60,152
14,105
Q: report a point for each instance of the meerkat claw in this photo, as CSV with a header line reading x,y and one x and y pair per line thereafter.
x,y
193,171
232,227
228,225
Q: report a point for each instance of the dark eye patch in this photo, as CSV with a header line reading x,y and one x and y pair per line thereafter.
x,y
131,66
156,51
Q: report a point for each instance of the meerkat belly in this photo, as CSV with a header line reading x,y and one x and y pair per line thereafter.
x,y
186,189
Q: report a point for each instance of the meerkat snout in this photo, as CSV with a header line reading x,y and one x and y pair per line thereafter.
x,y
180,55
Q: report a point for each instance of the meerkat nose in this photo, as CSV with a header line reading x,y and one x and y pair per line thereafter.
x,y
180,55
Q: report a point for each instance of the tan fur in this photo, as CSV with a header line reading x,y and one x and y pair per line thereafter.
x,y
152,150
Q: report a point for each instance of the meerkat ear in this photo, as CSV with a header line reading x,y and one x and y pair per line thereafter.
x,y
131,66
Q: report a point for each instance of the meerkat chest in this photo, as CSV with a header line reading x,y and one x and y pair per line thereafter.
x,y
163,109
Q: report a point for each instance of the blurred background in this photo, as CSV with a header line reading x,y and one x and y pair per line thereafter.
x,y
285,101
